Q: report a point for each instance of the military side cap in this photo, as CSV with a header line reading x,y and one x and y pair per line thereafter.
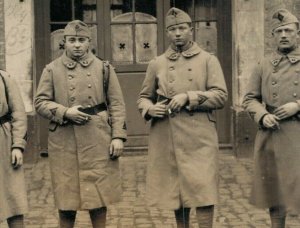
x,y
283,17
176,16
77,28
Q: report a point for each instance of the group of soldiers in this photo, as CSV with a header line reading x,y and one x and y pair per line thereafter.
x,y
81,96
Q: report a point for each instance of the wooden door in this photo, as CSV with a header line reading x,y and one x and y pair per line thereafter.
x,y
130,33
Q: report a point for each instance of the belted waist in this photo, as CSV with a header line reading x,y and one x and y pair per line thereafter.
x,y
171,113
6,118
94,110
163,98
270,108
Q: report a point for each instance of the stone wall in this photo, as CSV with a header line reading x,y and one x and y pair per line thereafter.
x,y
2,37
18,18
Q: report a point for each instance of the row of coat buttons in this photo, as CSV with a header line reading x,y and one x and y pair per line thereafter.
x,y
275,95
70,77
73,98
295,82
72,87
173,68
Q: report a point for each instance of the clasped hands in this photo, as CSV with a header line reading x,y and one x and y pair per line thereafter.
x,y
158,110
280,113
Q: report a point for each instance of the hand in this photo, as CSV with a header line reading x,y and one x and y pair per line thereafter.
x,y
178,101
271,121
76,116
158,110
116,148
16,157
287,110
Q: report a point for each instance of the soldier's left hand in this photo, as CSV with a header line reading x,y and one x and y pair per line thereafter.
x,y
178,101
287,110
16,157
116,148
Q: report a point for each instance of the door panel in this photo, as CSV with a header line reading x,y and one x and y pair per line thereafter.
x,y
138,129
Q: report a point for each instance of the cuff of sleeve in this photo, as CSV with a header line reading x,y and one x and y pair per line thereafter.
x,y
258,116
19,143
145,114
119,134
60,113
192,99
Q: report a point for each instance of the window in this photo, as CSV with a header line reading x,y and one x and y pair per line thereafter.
x,y
133,31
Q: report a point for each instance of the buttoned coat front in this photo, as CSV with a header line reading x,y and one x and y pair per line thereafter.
x,y
275,82
182,159
13,197
83,175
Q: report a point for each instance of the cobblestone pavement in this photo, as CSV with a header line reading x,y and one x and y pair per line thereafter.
x,y
232,211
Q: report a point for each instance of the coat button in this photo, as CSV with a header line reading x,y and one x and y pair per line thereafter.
x,y
296,82
294,94
72,88
88,74
171,68
70,77
274,83
72,99
274,94
89,85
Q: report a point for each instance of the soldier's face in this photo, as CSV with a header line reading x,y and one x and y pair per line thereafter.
x,y
180,35
286,36
77,46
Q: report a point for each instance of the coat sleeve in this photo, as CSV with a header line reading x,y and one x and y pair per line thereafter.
x,y
216,94
19,117
252,101
116,106
45,101
147,96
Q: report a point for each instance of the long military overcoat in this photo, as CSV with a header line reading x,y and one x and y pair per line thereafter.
x,y
83,176
275,81
13,197
182,159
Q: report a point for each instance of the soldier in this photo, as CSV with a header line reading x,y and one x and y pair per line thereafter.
x,y
87,128
182,89
272,99
13,128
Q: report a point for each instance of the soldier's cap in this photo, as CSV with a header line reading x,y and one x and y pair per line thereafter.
x,y
176,16
77,28
283,17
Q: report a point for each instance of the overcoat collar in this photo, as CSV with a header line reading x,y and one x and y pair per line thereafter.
x,y
293,57
174,55
71,63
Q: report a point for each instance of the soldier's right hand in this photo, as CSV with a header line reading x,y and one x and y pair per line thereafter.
x,y
158,110
271,121
76,116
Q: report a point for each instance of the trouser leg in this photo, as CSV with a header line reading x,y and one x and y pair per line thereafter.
x,y
66,219
205,216
277,215
98,217
182,216
16,221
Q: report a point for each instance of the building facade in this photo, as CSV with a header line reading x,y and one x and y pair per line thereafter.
x,y
129,33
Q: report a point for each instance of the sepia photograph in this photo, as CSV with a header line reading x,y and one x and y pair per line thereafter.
x,y
149,113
